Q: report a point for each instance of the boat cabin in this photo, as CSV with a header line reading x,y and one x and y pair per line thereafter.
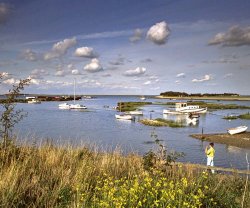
x,y
182,106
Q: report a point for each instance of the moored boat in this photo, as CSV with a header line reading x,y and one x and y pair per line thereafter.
x,y
124,117
77,106
74,105
34,101
183,108
136,112
237,130
64,106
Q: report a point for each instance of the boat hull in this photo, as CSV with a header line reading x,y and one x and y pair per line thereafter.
x,y
124,117
77,106
237,130
187,111
64,106
138,113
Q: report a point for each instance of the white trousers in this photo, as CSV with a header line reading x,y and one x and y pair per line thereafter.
x,y
210,162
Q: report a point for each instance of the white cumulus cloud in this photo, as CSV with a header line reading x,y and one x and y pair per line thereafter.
x,y
159,33
138,33
4,75
29,55
76,72
10,81
86,52
60,73
182,75
147,83
135,72
38,74
93,66
235,36
60,48
207,77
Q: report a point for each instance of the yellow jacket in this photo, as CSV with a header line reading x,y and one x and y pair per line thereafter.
x,y
210,152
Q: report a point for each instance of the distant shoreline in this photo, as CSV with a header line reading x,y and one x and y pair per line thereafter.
x,y
238,98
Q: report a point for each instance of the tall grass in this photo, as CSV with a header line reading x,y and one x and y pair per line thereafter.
x,y
52,176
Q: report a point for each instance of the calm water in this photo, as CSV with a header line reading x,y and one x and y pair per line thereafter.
x,y
99,126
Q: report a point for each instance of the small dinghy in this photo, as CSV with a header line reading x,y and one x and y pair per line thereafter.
x,y
124,117
237,130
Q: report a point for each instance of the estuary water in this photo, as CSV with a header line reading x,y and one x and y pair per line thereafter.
x,y
98,126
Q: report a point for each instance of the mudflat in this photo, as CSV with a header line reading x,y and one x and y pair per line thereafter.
x,y
238,140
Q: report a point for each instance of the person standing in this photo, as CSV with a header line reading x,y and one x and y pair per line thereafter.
x,y
210,152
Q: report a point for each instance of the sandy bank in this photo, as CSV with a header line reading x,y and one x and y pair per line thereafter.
x,y
238,140
246,98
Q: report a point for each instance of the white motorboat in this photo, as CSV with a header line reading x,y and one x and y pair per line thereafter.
x,y
165,111
183,108
64,106
237,130
124,117
136,112
142,98
34,101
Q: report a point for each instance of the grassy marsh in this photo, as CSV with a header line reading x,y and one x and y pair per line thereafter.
x,y
130,106
50,176
162,122
242,116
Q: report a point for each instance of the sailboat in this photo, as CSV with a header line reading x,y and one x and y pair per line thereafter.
x,y
76,105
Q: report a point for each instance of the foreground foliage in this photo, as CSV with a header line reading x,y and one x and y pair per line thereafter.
x,y
50,176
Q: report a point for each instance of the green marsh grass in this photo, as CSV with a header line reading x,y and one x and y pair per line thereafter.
x,y
162,122
130,106
244,116
53,176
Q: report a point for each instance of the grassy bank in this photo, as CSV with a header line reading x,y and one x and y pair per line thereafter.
x,y
237,98
50,176
242,116
161,122
130,106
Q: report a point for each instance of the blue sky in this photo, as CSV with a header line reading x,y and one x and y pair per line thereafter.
x,y
126,47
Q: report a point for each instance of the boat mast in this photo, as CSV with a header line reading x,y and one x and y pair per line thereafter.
x,y
74,90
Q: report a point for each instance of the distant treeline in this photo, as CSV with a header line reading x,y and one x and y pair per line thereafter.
x,y
184,94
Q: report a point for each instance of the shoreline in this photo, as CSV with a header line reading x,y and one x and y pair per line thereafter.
x,y
241,140
240,98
